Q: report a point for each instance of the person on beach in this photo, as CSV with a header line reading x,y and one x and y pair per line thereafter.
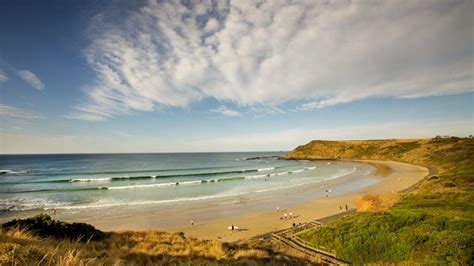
x,y
54,211
232,227
291,215
285,216
192,222
347,207
340,207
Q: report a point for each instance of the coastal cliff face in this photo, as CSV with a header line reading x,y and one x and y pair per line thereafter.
x,y
442,153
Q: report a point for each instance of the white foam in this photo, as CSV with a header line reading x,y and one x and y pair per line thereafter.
x,y
195,182
25,204
104,179
143,186
265,169
310,168
146,202
298,171
256,176
9,171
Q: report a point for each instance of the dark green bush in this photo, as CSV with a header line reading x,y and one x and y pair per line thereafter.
x,y
42,225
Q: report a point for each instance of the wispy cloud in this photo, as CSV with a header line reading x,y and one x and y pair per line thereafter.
x,y
225,111
13,112
171,53
31,79
3,76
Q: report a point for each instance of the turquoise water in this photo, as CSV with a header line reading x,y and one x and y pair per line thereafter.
x,y
95,181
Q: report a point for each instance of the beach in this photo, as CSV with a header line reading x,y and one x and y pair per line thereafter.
x,y
403,176
212,221
253,213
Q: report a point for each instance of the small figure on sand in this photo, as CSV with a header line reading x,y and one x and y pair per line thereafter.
x,y
340,207
54,211
347,207
232,227
192,222
291,215
285,216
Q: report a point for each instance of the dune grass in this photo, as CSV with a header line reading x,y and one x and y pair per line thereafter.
x,y
27,243
432,225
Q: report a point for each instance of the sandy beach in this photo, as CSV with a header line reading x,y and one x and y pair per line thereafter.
x,y
403,176
254,214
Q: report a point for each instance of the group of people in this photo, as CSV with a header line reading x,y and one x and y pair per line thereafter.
x,y
347,207
285,215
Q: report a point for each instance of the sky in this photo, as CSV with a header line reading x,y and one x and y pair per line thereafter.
x,y
98,76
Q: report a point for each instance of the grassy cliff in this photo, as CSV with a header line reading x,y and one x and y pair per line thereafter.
x,y
434,224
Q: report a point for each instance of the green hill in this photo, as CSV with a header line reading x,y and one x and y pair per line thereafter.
x,y
434,224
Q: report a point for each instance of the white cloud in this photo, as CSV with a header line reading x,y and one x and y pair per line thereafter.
x,y
13,112
31,79
3,76
225,111
272,52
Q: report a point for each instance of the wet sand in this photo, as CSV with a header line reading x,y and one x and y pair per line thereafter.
x,y
402,176
257,214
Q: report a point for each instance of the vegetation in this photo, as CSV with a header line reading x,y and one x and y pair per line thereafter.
x,y
42,225
41,240
434,224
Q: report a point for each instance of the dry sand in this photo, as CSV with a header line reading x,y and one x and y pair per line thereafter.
x,y
211,222
403,176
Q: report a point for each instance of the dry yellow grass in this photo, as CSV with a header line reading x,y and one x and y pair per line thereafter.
x,y
19,247
376,203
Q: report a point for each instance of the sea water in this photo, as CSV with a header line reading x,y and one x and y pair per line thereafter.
x,y
72,182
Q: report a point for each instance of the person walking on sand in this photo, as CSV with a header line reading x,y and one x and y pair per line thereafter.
x,y
291,215
232,227
192,222
54,211
285,216
347,207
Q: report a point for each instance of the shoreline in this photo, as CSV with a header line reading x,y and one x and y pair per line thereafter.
x,y
257,215
402,176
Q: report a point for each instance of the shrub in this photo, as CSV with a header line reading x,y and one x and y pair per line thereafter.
x,y
42,225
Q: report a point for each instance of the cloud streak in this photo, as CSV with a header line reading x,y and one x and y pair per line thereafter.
x,y
13,112
30,78
3,76
225,111
168,54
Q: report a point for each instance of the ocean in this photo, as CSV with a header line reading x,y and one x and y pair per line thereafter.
x,y
74,182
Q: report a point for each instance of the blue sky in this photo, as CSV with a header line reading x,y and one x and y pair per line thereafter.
x,y
159,76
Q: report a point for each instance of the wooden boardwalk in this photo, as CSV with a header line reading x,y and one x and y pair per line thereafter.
x,y
290,239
